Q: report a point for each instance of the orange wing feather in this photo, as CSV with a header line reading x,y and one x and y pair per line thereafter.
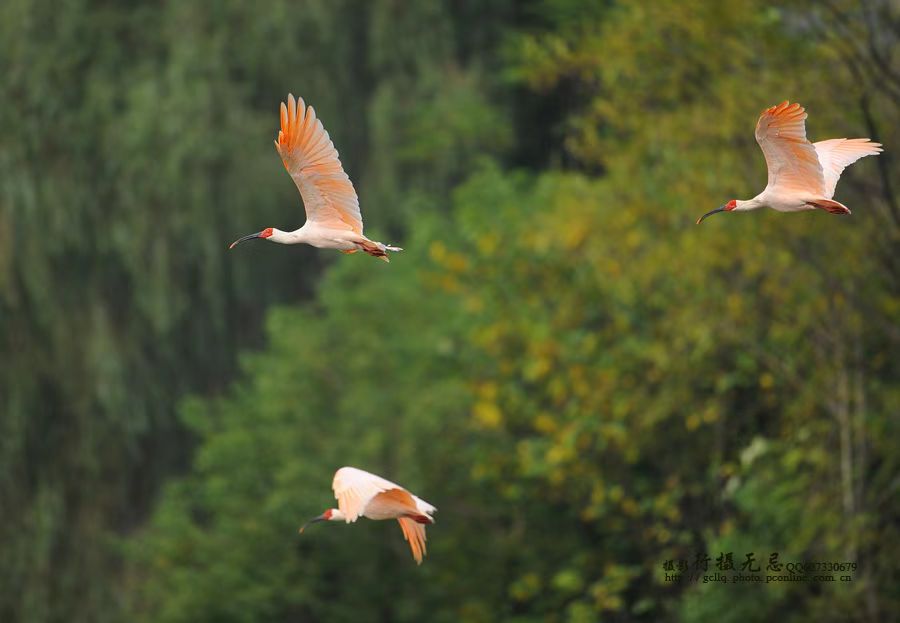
x,y
414,533
311,159
400,500
354,489
790,157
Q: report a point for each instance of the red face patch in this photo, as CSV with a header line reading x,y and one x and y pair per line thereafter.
x,y
327,514
266,233
731,205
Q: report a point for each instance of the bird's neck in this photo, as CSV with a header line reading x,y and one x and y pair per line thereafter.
x,y
749,204
287,237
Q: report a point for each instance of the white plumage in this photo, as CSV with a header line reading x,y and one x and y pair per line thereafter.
x,y
362,494
802,175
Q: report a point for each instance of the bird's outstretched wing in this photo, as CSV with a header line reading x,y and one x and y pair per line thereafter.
x,y
791,159
836,154
311,159
354,489
414,533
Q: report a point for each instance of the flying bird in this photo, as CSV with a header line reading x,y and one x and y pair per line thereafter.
x,y
361,494
802,175
333,220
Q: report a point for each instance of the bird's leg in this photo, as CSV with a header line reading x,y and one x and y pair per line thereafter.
x,y
829,205
373,248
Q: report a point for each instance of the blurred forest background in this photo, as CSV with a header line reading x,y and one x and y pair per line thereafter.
x,y
584,382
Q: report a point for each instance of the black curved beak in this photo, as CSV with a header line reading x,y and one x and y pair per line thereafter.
x,y
247,237
312,521
710,213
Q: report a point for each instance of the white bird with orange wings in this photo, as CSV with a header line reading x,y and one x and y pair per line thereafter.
x,y
361,494
802,175
333,220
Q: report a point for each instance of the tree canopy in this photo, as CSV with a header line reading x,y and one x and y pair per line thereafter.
x,y
586,384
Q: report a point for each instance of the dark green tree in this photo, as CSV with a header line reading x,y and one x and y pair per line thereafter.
x,y
136,143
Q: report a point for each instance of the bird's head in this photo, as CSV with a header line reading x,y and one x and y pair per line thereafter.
x,y
268,232
728,207
332,514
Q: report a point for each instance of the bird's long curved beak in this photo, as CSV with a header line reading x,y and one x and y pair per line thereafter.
x,y
247,237
700,220
311,521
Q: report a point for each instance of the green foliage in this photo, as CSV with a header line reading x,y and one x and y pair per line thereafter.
x,y
573,425
320,396
136,145
584,382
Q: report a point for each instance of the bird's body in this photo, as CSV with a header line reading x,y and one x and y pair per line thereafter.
x,y
802,175
319,236
362,494
333,219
